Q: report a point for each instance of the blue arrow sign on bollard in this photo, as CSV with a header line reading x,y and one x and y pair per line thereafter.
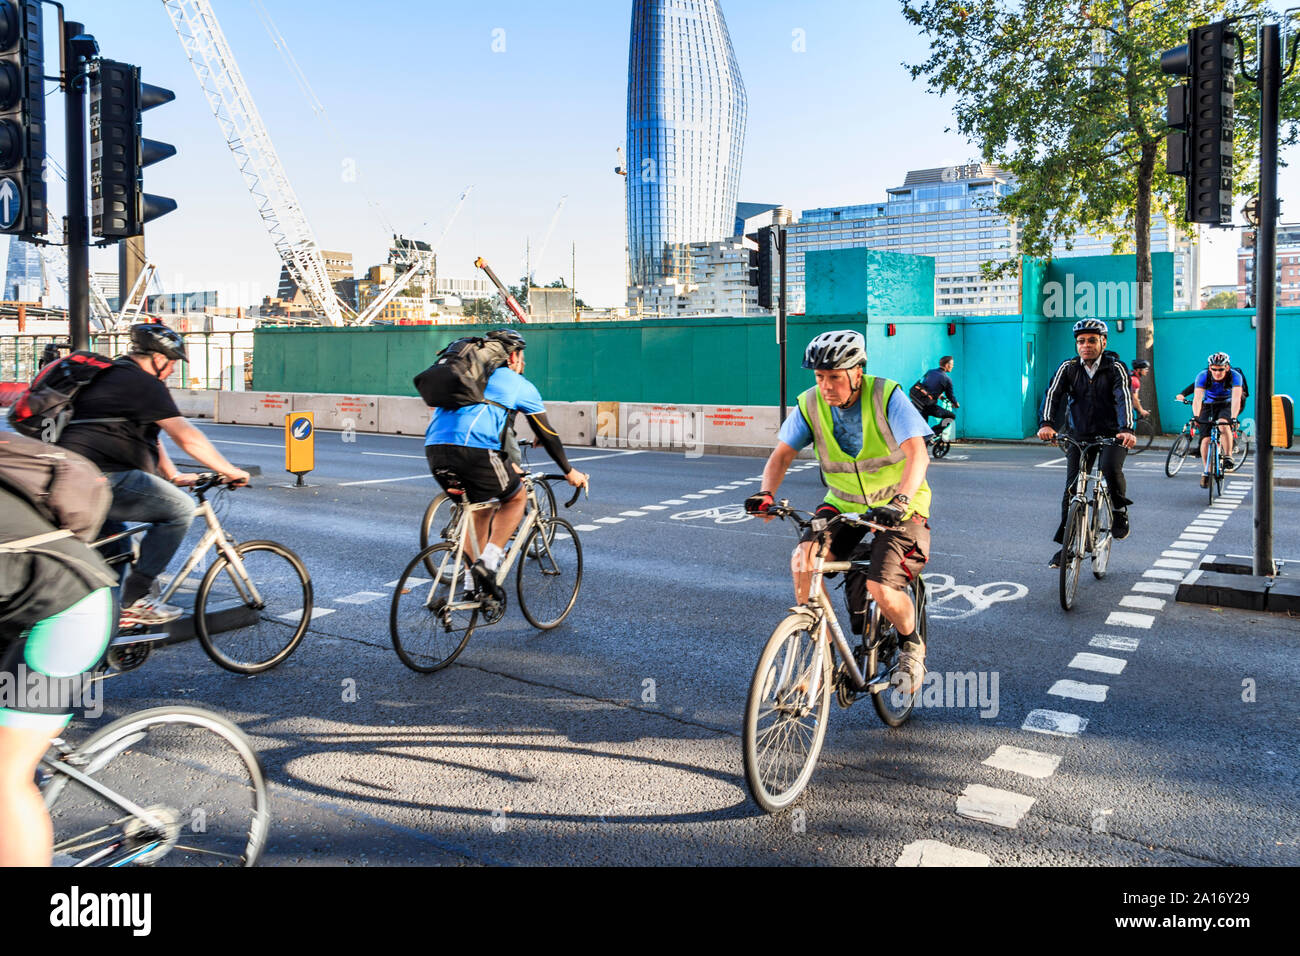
x,y
11,202
301,428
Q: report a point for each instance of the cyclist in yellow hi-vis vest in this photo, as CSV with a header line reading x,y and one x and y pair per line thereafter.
x,y
870,444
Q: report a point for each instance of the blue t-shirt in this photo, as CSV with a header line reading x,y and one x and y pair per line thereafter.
x,y
480,426
1218,391
846,425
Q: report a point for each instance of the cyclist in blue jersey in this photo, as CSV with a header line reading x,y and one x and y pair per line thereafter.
x,y
1217,395
465,444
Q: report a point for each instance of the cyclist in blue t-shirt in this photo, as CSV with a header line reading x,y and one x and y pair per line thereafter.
x,y
466,444
1217,396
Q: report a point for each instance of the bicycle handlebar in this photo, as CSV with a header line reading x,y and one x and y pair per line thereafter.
x,y
576,491
1068,439
783,511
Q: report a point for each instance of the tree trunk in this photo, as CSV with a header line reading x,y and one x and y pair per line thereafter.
x,y
1145,324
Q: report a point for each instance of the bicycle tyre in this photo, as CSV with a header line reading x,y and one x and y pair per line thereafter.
x,y
1177,454
941,448
218,781
426,636
446,525
1240,452
546,599
1145,434
1071,554
892,707
1102,515
1216,471
795,642
258,647
547,509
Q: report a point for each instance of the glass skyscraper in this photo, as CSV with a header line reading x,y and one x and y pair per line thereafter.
x,y
686,112
23,278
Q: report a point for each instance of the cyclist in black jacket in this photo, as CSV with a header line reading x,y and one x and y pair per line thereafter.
x,y
1094,389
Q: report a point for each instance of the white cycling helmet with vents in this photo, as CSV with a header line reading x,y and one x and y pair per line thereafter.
x,y
841,349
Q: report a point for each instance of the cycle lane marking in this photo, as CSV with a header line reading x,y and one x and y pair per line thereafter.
x,y
1142,603
1130,619
933,853
1077,690
1155,587
1029,763
1002,808
1055,723
361,597
1111,642
1101,663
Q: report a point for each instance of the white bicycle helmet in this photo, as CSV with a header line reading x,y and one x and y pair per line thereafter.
x,y
1219,358
831,350
1091,325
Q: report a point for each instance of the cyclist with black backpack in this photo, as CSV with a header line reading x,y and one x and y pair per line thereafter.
x,y
116,421
1217,395
474,388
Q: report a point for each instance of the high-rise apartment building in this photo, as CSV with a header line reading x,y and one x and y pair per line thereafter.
x,y
1287,275
24,281
686,111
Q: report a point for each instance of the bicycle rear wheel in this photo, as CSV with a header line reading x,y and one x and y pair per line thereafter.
x,y
550,573
892,706
1145,433
1102,522
194,773
428,628
440,521
786,713
941,448
1072,548
276,618
1240,452
1177,454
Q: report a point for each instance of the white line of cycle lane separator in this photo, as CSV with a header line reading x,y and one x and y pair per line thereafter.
x,y
1099,663
1077,690
1155,587
1113,642
1001,808
1130,618
932,853
1028,763
1142,603
1055,723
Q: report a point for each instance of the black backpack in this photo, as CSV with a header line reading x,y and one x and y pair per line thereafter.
x,y
45,409
460,375
1245,389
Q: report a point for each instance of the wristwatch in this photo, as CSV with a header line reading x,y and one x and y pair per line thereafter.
x,y
903,499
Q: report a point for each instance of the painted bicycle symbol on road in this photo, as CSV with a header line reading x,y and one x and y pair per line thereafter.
x,y
723,514
950,601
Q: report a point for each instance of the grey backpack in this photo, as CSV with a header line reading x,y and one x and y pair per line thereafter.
x,y
64,487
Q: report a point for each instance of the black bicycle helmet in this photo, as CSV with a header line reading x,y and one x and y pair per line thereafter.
x,y
831,350
512,340
1091,325
152,337
1139,364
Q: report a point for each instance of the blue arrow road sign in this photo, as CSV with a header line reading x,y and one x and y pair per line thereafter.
x,y
11,202
301,427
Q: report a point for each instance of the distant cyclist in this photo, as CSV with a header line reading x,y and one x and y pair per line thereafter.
x,y
1141,369
870,444
1217,396
936,384
467,443
116,421
1094,389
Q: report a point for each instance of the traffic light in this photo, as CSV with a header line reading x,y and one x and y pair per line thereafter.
x,y
22,120
119,205
760,265
1200,116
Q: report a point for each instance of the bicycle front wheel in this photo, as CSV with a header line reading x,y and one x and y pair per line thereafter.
x,y
1145,434
1102,522
1216,471
550,573
1177,454
786,713
546,507
1072,549
431,621
276,608
440,521
196,778
941,448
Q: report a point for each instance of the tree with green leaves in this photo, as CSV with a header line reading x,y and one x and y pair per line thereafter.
x,y
1222,300
1067,96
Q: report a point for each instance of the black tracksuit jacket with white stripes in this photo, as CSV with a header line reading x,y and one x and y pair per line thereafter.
x,y
1098,406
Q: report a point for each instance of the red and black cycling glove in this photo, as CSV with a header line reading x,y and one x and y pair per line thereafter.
x,y
759,503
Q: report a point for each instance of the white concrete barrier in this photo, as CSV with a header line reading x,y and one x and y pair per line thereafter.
x,y
195,403
357,413
399,415
754,425
574,422
254,408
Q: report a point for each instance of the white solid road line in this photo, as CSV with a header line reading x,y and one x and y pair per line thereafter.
x,y
1079,691
1142,603
381,481
1100,663
1129,619
1002,808
934,853
1055,723
612,454
255,444
1111,642
1030,763
390,454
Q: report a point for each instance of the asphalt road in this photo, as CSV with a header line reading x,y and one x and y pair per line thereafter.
x,y
614,739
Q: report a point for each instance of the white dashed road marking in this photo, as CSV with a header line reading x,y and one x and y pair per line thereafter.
x,y
294,616
632,514
1180,555
1055,722
1156,587
1079,691
654,508
673,501
1142,603
1129,619
1100,663
1002,808
410,582
609,520
1163,575
934,853
586,527
362,597
1031,763
1109,642
692,498
1171,563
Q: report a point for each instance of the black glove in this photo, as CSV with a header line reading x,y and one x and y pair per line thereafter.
x,y
759,503
826,510
890,515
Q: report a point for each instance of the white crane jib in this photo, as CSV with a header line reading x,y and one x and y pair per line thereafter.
x,y
250,143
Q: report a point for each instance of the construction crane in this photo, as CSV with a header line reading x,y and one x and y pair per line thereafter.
x,y
510,301
546,240
231,103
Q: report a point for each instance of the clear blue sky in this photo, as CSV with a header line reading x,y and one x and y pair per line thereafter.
x,y
424,107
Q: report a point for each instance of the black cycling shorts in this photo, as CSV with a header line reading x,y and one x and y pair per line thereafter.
x,y
484,473
1210,413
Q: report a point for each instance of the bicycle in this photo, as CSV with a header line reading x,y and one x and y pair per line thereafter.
x,y
270,583
1214,458
786,711
430,629
434,528
1145,433
1181,448
1088,520
175,786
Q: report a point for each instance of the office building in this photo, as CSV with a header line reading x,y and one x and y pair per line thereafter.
x,y
1287,274
24,281
686,111
711,278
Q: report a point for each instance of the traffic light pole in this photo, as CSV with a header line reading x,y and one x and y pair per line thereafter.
x,y
780,317
77,233
1270,82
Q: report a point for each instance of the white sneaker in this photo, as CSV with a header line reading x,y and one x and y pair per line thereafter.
x,y
148,612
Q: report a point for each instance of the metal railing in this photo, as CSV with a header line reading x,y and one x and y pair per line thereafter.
x,y
220,361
